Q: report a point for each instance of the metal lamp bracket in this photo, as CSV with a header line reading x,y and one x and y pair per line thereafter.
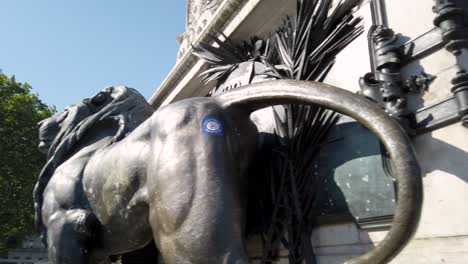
x,y
384,84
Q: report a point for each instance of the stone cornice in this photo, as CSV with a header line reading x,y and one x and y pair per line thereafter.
x,y
189,7
225,13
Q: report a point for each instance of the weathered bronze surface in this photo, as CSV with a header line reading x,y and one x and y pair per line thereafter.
x,y
111,184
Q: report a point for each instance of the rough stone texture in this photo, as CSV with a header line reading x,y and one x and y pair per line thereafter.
x,y
199,14
420,251
443,156
345,234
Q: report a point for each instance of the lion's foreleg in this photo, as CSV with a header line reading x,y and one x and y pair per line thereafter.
x,y
70,236
195,184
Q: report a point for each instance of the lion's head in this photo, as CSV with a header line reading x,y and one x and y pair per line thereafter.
x,y
113,102
59,134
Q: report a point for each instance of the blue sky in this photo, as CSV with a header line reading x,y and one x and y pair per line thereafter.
x,y
69,50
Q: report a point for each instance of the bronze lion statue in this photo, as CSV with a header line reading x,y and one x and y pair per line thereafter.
x,y
119,175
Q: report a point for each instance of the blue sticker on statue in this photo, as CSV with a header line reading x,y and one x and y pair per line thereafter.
x,y
212,126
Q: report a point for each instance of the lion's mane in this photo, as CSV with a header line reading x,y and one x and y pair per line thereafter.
x,y
127,108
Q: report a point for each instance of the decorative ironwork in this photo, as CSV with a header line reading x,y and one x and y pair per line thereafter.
x,y
460,90
422,46
451,20
370,88
436,115
418,83
385,87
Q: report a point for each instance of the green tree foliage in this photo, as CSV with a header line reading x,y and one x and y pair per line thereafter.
x,y
20,161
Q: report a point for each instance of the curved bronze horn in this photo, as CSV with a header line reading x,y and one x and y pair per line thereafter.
x,y
406,168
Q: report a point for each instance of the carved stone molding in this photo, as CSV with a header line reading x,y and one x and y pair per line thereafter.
x,y
199,14
226,11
